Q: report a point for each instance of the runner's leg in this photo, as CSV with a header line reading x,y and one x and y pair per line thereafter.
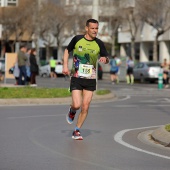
x,y
87,97
76,99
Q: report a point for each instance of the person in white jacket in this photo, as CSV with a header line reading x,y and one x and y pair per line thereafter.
x,y
129,74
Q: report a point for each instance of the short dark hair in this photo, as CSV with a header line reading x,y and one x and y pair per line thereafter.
x,y
22,46
92,21
33,50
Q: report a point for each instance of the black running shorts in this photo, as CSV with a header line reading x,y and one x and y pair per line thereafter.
x,y
81,83
52,69
130,70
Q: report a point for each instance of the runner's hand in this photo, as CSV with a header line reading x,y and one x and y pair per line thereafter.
x,y
104,60
66,71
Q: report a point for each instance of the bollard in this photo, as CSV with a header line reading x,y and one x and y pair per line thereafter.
x,y
160,81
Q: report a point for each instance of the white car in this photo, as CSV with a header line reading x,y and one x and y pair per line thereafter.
x,y
144,71
44,71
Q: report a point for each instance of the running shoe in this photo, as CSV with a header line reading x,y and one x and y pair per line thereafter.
x,y
76,135
70,116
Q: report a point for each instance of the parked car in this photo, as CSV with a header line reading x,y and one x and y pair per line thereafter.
x,y
44,71
147,71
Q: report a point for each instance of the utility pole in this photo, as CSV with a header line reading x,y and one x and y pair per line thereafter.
x,y
95,9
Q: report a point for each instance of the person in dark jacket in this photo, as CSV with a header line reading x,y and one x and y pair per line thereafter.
x,y
33,67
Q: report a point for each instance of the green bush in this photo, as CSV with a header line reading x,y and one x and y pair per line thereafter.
x,y
167,127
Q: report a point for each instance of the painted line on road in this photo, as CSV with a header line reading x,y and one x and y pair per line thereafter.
x,y
118,138
125,106
125,98
160,105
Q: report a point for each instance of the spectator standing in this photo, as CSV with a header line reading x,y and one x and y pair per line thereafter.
x,y
118,63
129,73
1,75
52,68
114,68
33,67
22,58
165,65
28,65
16,72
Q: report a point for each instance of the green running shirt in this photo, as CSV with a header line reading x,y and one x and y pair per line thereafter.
x,y
85,56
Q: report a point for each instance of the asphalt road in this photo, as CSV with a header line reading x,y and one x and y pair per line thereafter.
x,y
38,137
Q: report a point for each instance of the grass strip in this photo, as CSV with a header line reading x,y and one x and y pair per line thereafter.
x,y
37,92
32,92
103,92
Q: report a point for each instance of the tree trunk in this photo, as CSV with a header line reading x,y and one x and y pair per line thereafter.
x,y
155,49
47,52
12,46
113,46
133,48
60,53
2,49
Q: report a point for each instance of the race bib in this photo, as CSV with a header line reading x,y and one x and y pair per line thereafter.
x,y
85,70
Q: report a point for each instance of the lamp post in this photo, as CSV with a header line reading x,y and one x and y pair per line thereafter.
x,y
95,9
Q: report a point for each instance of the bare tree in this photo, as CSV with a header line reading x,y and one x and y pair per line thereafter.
x,y
114,23
53,26
15,22
157,14
131,17
5,21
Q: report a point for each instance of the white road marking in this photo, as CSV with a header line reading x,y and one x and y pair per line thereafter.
x,y
125,106
118,138
160,105
168,100
125,98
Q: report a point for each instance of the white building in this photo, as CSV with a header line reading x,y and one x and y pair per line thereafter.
x,y
144,40
4,3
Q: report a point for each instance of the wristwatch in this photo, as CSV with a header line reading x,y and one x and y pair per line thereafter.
x,y
107,60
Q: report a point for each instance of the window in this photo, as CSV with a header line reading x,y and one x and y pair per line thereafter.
x,y
8,3
12,2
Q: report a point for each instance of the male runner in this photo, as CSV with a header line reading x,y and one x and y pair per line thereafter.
x,y
86,49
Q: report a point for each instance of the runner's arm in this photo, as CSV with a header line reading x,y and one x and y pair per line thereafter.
x,y
65,62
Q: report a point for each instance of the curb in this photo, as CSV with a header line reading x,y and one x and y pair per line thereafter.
x,y
50,101
162,136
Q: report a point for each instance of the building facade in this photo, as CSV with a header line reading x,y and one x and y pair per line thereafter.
x,y
144,40
5,3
